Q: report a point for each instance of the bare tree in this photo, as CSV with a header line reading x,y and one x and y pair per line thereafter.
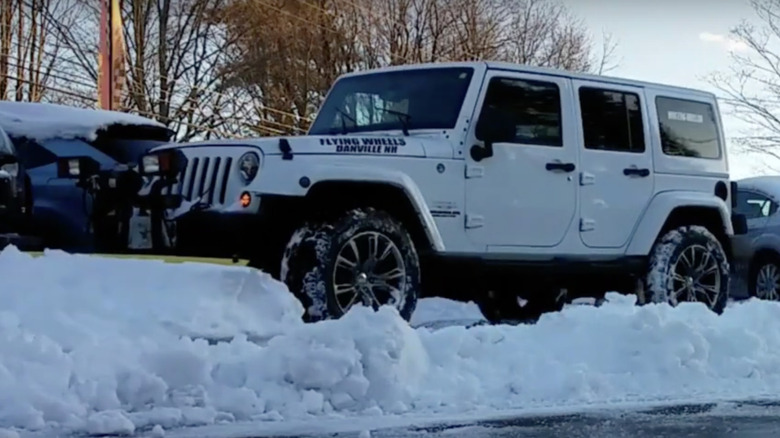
x,y
534,32
30,54
751,87
240,67
290,51
544,33
175,50
287,53
6,40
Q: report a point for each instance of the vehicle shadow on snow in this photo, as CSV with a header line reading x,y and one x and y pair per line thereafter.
x,y
432,325
474,322
469,323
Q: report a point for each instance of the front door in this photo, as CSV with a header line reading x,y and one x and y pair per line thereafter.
x,y
616,178
526,193
757,208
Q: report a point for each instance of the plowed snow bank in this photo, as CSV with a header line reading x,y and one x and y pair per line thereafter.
x,y
105,346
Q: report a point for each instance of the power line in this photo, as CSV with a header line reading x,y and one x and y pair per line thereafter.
x,y
55,89
52,73
158,77
90,99
69,77
142,113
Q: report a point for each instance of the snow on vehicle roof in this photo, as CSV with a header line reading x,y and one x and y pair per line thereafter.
x,y
43,121
769,184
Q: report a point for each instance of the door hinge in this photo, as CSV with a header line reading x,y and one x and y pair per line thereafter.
x,y
474,221
475,171
587,179
587,224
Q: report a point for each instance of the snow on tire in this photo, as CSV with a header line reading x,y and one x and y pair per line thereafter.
x,y
364,257
688,264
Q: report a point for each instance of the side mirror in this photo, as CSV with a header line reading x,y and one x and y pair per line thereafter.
x,y
733,189
490,129
739,223
77,167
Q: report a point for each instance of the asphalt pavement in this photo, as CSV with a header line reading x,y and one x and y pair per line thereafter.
x,y
747,419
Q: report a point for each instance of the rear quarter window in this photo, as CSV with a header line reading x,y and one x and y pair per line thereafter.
x,y
688,128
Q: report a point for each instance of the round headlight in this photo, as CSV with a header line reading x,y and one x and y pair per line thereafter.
x,y
248,165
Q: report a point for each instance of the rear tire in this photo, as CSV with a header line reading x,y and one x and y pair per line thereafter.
x,y
688,264
365,256
764,282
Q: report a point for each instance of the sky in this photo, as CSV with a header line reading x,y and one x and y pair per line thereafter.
x,y
676,42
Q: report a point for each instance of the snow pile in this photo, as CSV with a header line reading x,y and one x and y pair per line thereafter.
x,y
106,346
42,121
85,339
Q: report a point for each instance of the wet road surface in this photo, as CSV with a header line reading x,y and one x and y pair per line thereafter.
x,y
752,419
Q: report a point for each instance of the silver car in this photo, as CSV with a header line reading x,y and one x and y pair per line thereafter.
x,y
758,199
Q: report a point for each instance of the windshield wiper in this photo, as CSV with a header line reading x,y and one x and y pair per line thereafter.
x,y
344,115
403,118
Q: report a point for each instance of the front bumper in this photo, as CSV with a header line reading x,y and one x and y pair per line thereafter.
x,y
257,231
11,212
217,234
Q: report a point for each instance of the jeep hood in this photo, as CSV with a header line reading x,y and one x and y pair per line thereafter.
x,y
374,145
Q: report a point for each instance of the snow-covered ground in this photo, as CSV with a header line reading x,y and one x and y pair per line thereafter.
x,y
112,346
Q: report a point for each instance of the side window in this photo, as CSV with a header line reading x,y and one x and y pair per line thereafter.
x,y
521,111
754,205
688,128
612,120
31,154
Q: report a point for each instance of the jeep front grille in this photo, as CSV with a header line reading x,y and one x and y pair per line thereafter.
x,y
205,178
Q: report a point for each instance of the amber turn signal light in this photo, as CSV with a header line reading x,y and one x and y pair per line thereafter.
x,y
245,199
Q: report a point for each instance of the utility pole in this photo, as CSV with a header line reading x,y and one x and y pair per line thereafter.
x,y
104,57
111,56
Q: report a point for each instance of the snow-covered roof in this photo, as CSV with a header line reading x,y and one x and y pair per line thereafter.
x,y
43,121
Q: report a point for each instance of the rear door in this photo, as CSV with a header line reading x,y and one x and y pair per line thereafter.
x,y
616,178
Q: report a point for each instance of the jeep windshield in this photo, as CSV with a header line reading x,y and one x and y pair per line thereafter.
x,y
429,98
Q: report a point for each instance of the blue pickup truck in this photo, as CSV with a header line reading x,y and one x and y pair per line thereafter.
x,y
61,209
14,199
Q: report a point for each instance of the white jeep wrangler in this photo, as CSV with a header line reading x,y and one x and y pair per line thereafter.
x,y
514,186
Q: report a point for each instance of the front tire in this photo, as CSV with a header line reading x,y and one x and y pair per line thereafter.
x,y
364,257
688,264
